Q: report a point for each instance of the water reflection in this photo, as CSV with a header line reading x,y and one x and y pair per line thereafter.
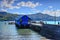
x,y
28,34
9,32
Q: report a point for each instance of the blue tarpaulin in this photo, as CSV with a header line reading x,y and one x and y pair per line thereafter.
x,y
23,20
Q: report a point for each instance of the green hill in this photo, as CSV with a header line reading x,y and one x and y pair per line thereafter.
x,y
4,16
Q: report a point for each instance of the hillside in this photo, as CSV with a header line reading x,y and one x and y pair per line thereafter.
x,y
44,17
7,16
38,16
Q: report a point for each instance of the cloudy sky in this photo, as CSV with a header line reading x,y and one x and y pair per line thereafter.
x,y
50,7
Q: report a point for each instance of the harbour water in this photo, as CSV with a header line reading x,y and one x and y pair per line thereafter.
x,y
52,22
9,32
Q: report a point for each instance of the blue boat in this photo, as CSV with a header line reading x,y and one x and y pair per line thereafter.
x,y
22,22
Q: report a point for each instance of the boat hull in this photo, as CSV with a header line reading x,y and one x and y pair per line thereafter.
x,y
22,26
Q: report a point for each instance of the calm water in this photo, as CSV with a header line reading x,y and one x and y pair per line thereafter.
x,y
9,32
51,22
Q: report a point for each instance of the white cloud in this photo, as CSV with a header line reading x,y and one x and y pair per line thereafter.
x,y
9,4
16,13
41,4
12,7
5,3
36,11
52,13
11,1
58,12
28,4
3,10
22,13
25,13
50,6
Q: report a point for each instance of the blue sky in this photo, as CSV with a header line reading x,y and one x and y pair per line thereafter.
x,y
49,7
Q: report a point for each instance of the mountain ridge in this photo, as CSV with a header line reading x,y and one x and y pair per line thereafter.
x,y
38,16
